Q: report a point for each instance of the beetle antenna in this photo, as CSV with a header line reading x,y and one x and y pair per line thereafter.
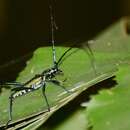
x,y
53,28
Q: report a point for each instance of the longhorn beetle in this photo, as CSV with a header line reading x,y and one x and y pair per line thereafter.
x,y
48,75
39,80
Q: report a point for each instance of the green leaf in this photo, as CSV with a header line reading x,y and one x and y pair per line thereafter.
x,y
81,70
78,71
76,121
109,110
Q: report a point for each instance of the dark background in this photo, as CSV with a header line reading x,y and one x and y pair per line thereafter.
x,y
25,25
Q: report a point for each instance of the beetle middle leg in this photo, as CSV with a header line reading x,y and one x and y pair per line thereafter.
x,y
58,83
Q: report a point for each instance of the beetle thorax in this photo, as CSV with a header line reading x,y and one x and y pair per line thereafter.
x,y
50,73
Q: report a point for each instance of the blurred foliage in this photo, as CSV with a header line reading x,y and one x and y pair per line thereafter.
x,y
109,110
